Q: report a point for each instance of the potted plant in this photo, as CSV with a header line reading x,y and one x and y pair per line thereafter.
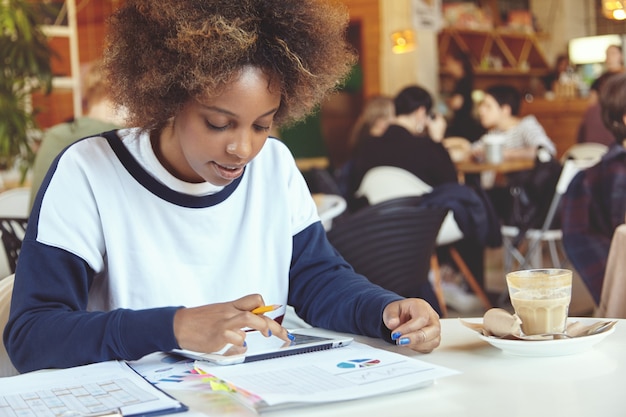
x,y
25,68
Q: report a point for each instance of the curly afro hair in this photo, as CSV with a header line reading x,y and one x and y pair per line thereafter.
x,y
161,54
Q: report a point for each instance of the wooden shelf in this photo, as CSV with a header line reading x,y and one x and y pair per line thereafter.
x,y
496,52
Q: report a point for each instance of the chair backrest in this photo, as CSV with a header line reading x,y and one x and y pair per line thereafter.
x,y
15,202
13,230
591,151
329,206
571,167
387,182
14,210
391,243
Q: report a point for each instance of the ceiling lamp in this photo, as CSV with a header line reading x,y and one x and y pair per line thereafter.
x,y
614,9
403,41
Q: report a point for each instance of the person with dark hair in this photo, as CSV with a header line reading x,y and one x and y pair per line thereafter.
x,y
522,136
595,201
613,64
460,103
561,67
168,235
412,142
592,128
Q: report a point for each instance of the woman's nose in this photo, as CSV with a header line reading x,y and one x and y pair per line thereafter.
x,y
240,146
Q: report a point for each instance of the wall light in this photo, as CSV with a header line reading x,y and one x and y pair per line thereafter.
x,y
403,41
614,9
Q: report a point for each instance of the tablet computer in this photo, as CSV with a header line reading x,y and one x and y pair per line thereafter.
x,y
260,347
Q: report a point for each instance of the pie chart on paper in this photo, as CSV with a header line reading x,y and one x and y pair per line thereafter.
x,y
358,363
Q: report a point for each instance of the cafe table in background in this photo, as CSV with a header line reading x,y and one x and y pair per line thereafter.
x,y
471,166
491,382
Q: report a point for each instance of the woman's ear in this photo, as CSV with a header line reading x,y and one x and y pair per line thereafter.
x,y
506,109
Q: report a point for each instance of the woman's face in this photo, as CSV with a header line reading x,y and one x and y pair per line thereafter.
x,y
489,112
614,58
214,139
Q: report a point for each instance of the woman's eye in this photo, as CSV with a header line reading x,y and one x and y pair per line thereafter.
x,y
215,127
262,128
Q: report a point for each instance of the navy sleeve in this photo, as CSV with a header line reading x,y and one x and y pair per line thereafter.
x,y
49,326
326,292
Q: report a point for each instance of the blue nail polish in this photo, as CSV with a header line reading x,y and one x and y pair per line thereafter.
x,y
396,335
404,341
291,337
269,333
245,344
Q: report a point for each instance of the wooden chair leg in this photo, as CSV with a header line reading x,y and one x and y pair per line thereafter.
x,y
469,277
434,266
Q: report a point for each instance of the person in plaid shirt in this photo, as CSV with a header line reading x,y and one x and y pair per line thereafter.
x,y
595,202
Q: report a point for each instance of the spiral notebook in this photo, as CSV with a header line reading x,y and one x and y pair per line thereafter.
x,y
260,347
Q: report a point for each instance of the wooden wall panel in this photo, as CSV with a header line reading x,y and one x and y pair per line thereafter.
x,y
92,28
367,14
91,19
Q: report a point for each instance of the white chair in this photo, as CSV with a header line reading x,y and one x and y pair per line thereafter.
x,y
14,204
533,256
590,151
6,290
387,182
329,206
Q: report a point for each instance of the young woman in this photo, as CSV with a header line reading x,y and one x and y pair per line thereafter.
x,y
169,234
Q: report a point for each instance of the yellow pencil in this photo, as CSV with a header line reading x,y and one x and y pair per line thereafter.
x,y
265,309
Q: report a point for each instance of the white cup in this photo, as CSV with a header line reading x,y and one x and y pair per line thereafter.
x,y
494,148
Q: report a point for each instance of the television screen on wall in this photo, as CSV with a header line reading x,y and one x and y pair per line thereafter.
x,y
592,49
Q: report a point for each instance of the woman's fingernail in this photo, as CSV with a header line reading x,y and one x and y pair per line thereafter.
x,y
404,341
396,335
269,333
291,337
245,344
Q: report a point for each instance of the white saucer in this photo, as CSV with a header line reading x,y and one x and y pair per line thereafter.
x,y
558,347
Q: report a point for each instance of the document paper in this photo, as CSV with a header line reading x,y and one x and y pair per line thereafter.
x,y
354,371
95,389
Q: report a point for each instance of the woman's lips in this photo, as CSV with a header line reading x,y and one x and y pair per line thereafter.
x,y
228,173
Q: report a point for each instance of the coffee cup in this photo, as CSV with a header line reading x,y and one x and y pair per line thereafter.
x,y
541,298
494,148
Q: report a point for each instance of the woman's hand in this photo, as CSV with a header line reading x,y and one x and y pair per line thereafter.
x,y
209,328
413,323
436,125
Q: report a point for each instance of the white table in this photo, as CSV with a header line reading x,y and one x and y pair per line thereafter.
x,y
493,383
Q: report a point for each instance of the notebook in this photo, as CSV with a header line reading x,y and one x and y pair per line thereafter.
x,y
260,347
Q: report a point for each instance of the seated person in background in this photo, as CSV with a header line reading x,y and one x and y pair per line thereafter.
x,y
462,122
595,201
377,114
412,142
592,128
522,136
101,116
168,235
613,64
561,66
373,121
